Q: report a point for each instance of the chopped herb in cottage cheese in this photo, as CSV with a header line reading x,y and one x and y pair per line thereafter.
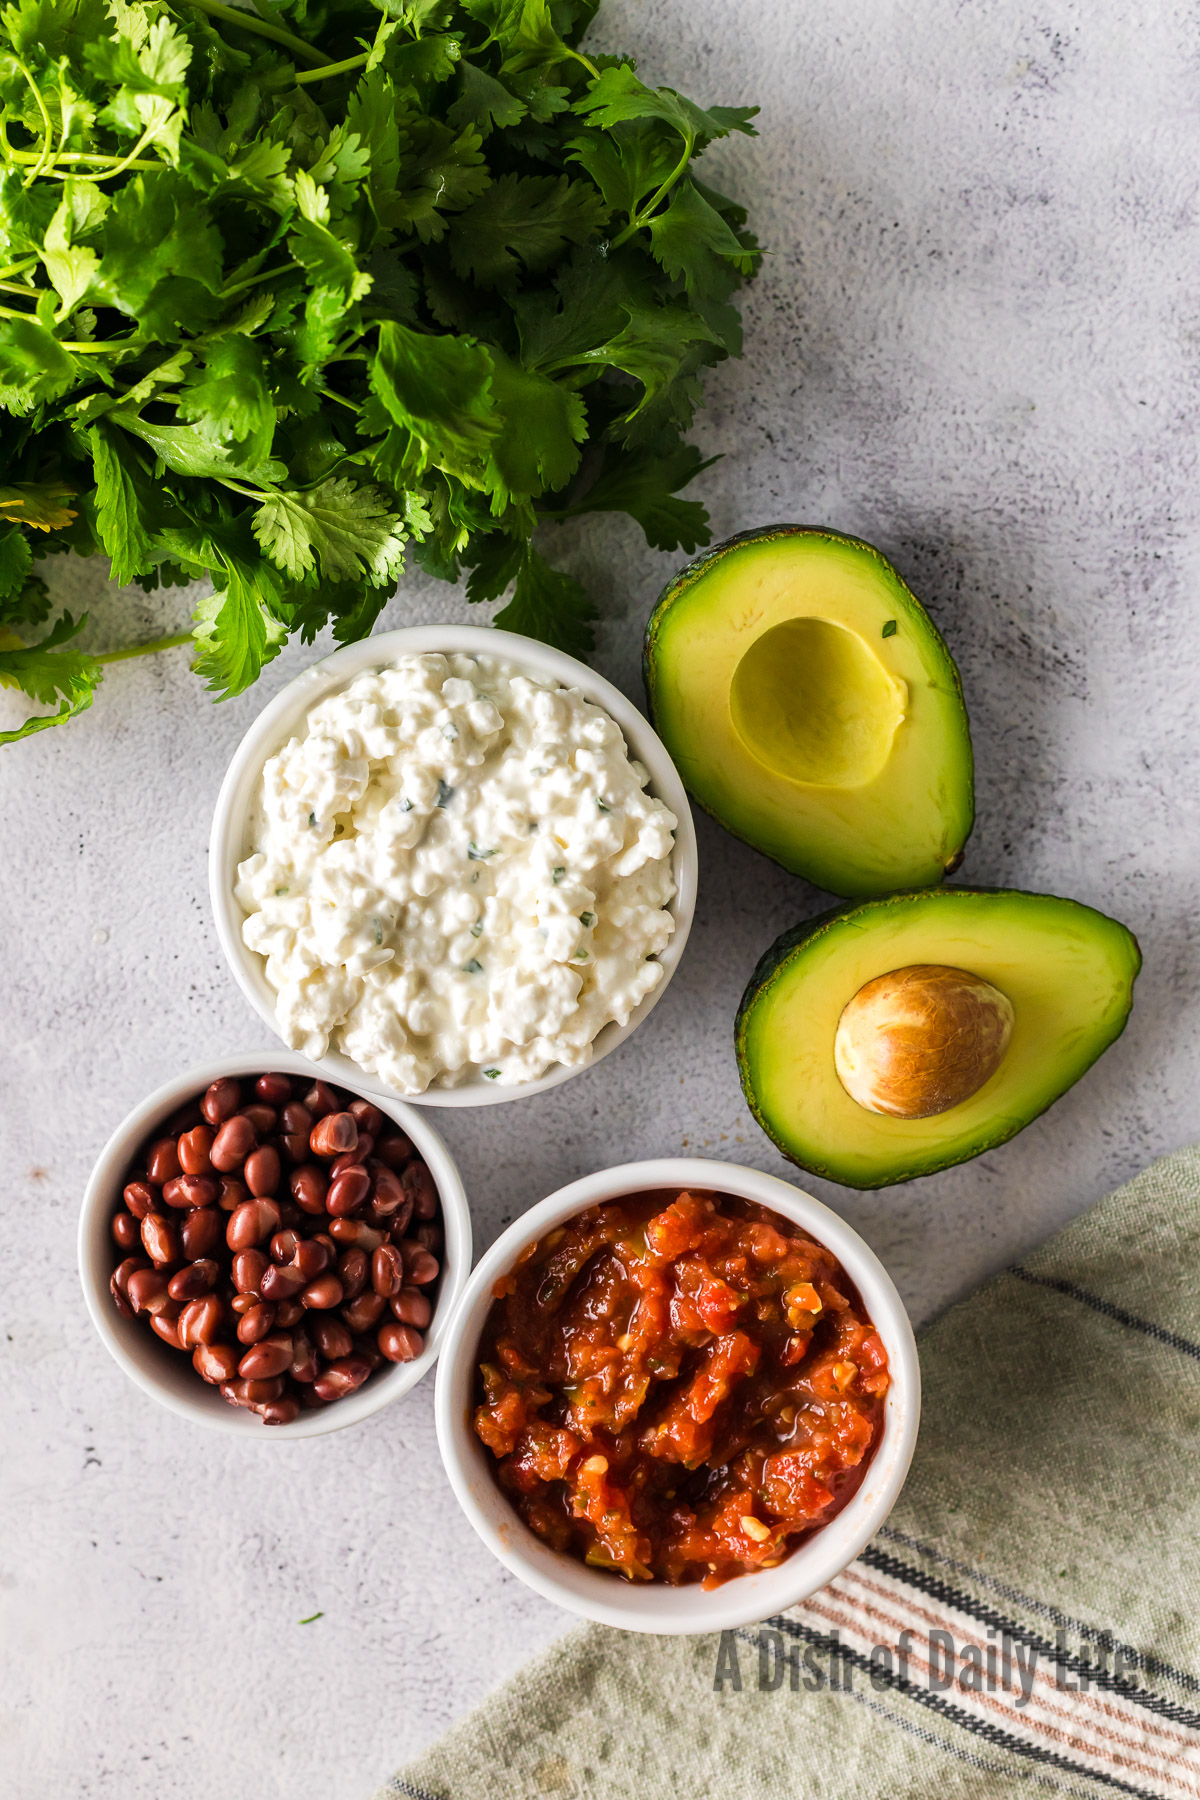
x,y
457,871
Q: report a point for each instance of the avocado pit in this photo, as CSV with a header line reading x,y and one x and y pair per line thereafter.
x,y
920,1040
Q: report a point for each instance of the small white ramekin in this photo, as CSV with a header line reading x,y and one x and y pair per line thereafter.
x,y
654,1606
167,1375
228,844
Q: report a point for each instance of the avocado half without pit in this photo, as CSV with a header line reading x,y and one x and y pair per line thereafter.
x,y
812,707
895,1037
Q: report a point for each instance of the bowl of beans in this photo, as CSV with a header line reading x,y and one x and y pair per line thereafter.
x,y
260,1248
678,1396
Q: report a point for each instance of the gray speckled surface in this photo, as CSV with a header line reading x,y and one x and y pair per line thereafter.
x,y
976,342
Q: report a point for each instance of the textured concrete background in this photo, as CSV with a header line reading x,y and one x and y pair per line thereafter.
x,y
976,342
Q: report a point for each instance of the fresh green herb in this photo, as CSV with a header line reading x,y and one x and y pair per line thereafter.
x,y
603,807
280,890
475,854
890,628
312,821
587,919
580,956
445,794
557,875
406,804
491,1074
312,1618
473,967
449,732
288,293
477,928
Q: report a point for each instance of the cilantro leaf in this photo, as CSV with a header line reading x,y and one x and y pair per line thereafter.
x,y
691,239
16,560
47,672
645,483
349,528
548,605
124,522
439,390
543,424
236,629
522,219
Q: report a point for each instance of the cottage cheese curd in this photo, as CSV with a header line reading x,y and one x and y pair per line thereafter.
x,y
457,870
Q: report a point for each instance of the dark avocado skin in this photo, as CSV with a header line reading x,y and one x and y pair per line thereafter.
x,y
700,565
773,960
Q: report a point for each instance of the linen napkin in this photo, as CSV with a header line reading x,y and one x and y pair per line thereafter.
x,y
1028,1621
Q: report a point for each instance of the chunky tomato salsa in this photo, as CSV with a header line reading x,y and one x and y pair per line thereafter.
x,y
679,1387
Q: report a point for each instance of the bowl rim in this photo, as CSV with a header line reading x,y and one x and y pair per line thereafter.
x,y
140,1355
656,1607
278,718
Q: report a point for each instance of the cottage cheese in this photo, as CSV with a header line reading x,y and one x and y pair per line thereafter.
x,y
457,871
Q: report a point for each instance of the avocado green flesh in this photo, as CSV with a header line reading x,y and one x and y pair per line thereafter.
x,y
1068,970
811,706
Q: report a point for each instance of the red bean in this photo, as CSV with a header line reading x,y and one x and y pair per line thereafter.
x,y
288,1313
369,1350
165,1324
324,1292
221,1100
364,1310
309,1185
118,1285
430,1237
304,1358
249,1267
280,1412
194,1151
162,1162
250,1223
273,1090
348,1232
233,1144
321,1099
200,1322
266,1359
387,1190
126,1231
420,1184
215,1362
196,1279
331,1338
397,1223
349,1159
252,1393
190,1190
232,1193
354,1270
284,1246
184,1119
412,1307
368,1116
347,1192
312,1258
241,1303
200,1232
387,1270
281,1281
341,1377
256,1323
140,1198
394,1150
264,1119
147,1290
160,1240
294,1148
262,1171
295,1120
400,1343
334,1134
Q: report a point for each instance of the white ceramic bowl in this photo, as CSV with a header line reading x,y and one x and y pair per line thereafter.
x,y
167,1375
654,1606
228,845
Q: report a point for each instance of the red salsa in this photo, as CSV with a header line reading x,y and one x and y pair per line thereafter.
x,y
679,1387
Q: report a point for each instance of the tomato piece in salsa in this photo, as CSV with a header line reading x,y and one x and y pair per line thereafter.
x,y
679,1387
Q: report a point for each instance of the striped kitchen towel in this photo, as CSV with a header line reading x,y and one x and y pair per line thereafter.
x,y
1027,1622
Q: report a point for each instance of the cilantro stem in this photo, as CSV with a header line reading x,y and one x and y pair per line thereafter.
x,y
340,68
18,268
44,156
644,213
22,288
150,649
76,156
248,22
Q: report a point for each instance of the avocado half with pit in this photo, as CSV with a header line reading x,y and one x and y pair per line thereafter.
x,y
812,708
895,1037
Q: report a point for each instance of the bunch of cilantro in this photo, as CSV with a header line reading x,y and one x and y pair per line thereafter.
x,y
286,292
